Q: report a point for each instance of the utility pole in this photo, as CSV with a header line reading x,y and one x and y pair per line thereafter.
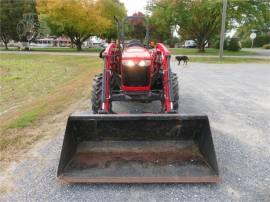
x,y
222,32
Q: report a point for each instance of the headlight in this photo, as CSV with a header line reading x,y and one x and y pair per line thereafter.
x,y
144,63
141,63
128,63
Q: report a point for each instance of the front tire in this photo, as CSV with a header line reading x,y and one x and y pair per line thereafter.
x,y
97,93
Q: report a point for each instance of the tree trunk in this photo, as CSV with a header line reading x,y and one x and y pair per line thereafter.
x,y
79,39
6,45
71,37
201,47
5,40
79,45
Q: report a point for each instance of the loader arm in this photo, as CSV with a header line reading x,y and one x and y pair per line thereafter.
x,y
166,56
112,62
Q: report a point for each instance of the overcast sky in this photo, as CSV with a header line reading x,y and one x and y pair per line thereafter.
x,y
133,6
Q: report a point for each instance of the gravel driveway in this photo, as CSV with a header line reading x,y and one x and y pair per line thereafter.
x,y
237,100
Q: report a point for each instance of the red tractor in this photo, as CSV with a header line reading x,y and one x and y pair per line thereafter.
x,y
106,147
135,72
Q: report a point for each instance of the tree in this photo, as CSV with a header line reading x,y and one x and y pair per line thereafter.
x,y
253,16
198,20
136,28
252,13
201,21
11,12
7,26
76,19
161,20
28,27
109,10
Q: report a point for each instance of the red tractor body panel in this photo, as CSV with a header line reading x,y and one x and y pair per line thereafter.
x,y
135,55
136,52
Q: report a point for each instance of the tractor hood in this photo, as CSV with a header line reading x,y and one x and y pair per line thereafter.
x,y
136,52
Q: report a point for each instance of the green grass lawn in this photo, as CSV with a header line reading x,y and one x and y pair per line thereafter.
x,y
208,51
34,87
24,77
56,49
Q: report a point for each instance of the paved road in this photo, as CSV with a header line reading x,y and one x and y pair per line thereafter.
x,y
258,51
236,98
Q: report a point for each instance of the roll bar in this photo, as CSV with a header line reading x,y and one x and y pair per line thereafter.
x,y
121,26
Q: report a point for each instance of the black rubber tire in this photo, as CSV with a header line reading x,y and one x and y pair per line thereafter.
x,y
175,89
97,93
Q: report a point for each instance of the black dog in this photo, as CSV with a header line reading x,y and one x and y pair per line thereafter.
x,y
180,58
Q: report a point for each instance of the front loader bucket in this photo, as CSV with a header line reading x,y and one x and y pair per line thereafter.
x,y
145,148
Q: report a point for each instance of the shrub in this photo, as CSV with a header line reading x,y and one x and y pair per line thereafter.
x,y
234,44
266,46
259,41
225,47
246,43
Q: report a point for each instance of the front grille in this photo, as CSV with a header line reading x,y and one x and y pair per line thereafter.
x,y
135,76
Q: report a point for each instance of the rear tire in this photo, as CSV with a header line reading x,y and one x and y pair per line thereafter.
x,y
97,93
